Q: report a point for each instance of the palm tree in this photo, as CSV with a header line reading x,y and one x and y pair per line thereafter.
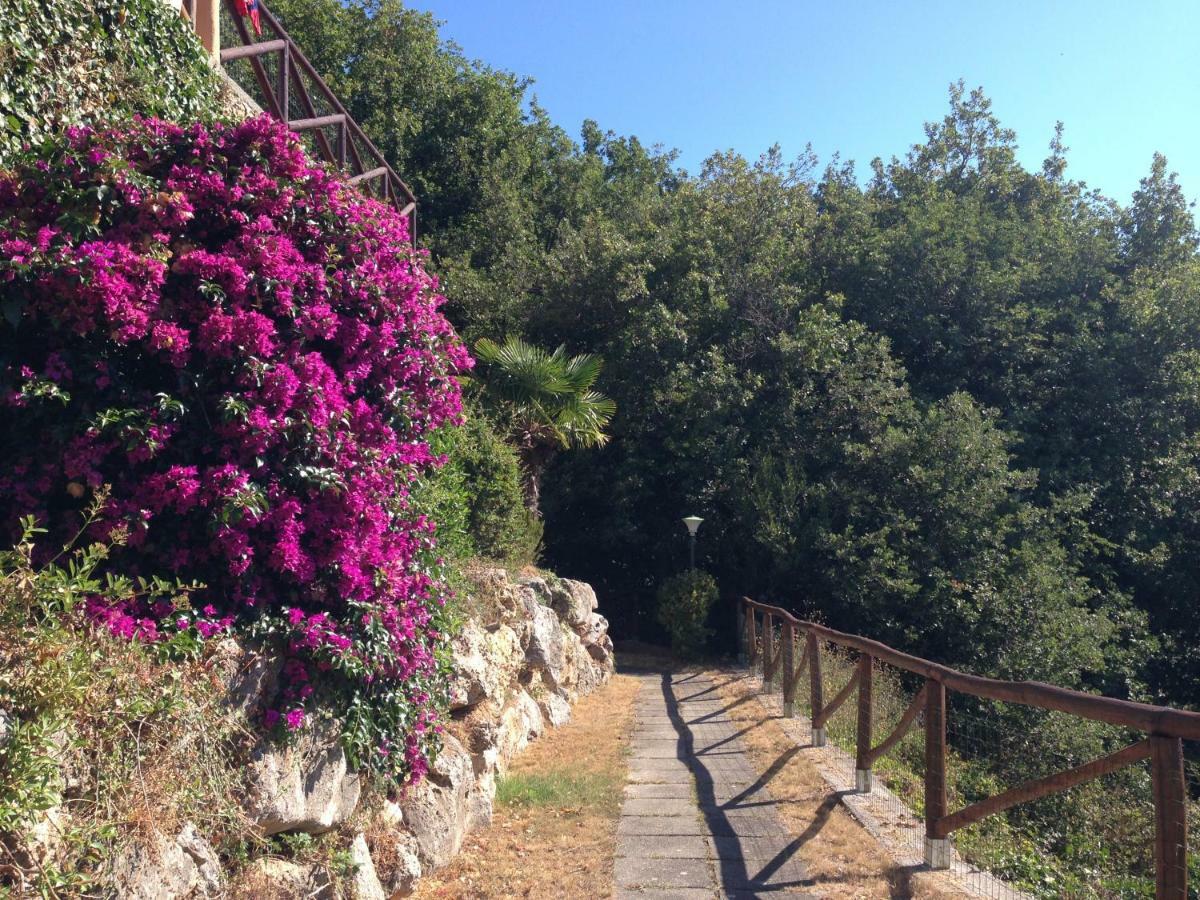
x,y
546,401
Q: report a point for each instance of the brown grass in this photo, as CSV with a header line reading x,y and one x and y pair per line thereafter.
x,y
841,857
537,845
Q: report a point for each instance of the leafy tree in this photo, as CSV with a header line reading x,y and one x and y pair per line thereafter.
x,y
547,401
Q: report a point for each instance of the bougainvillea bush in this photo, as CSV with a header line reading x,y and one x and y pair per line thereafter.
x,y
250,356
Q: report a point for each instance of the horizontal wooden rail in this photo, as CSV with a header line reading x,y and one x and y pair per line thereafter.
x,y
317,122
1166,728
1138,716
263,47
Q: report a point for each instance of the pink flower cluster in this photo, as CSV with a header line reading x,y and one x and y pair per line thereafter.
x,y
252,356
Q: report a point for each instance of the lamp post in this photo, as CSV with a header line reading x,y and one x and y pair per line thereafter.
x,y
693,525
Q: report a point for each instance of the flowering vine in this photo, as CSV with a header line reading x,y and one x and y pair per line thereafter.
x,y
251,355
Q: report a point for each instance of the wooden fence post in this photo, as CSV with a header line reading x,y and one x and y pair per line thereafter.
x,y
788,657
937,850
1170,817
770,655
752,637
862,765
743,651
816,694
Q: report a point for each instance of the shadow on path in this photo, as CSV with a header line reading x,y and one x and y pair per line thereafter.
x,y
734,873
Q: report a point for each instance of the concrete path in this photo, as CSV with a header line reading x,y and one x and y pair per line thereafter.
x,y
698,821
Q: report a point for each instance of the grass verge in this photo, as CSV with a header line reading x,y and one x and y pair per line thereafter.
x,y
554,830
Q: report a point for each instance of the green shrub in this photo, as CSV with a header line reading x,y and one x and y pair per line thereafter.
x,y
63,62
121,734
476,498
683,604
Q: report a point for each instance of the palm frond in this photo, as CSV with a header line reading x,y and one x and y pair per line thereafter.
x,y
548,395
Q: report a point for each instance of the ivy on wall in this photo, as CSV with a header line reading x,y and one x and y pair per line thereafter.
x,y
65,62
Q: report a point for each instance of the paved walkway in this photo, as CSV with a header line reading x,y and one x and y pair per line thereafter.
x,y
698,821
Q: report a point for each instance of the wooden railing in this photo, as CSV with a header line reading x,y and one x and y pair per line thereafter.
x,y
286,92
1165,729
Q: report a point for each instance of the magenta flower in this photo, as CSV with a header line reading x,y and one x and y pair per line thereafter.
x,y
253,358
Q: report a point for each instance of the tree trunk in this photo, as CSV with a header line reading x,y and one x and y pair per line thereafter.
x,y
533,466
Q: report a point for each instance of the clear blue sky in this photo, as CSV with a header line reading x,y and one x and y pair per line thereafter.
x,y
858,76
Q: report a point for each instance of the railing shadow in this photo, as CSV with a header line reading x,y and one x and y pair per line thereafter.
x,y
733,872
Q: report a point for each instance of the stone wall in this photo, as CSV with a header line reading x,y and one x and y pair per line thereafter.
x,y
517,671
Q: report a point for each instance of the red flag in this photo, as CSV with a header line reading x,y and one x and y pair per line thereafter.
x,y
249,9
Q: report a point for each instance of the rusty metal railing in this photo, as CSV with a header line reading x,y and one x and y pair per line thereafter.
x,y
292,87
769,635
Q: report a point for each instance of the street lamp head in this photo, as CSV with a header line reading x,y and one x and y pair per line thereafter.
x,y
692,523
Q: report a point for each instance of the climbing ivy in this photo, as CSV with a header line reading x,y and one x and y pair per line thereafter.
x,y
63,62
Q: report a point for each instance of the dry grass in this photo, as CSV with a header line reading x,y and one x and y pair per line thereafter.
x,y
841,857
554,831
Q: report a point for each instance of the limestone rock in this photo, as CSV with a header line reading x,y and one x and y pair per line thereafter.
x,y
364,883
279,879
486,662
399,864
481,800
539,588
573,601
435,810
595,630
599,653
520,722
250,677
390,814
165,869
544,648
304,787
555,709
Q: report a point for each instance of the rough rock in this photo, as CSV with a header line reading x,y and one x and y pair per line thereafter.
x,y
599,653
303,787
279,879
573,601
399,877
6,727
364,883
390,814
40,843
166,869
435,810
481,800
486,662
539,587
594,631
520,722
555,710
544,648
251,678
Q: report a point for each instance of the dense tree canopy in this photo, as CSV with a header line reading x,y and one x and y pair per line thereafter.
x,y
954,404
